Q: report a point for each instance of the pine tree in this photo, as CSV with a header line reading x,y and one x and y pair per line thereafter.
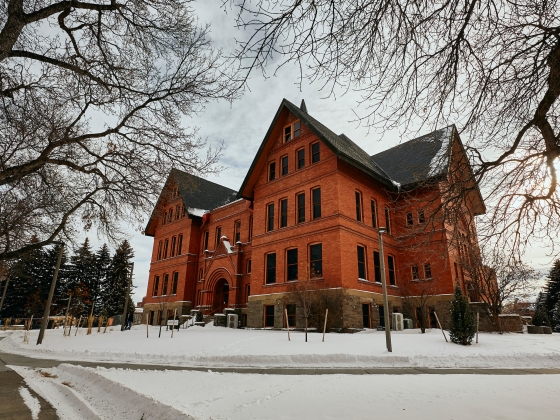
x,y
115,288
552,291
556,317
82,278
463,327
102,263
541,315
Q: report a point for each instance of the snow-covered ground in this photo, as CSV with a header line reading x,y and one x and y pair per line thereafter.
x,y
114,394
217,347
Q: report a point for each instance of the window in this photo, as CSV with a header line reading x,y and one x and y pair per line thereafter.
x,y
388,220
316,194
170,216
156,286
237,234
218,236
164,218
427,271
414,272
409,220
316,261
201,274
373,213
250,228
248,266
391,267
180,245
358,206
247,292
160,246
421,218
177,211
175,282
283,213
165,248
272,171
270,268
377,266
270,217
315,153
292,266
206,235
165,282
291,310
269,316
173,244
300,158
292,131
301,208
284,165
361,262
199,298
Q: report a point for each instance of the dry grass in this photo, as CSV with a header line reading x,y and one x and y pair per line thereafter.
x,y
67,384
47,374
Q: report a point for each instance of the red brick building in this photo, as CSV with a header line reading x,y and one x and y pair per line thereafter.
x,y
310,207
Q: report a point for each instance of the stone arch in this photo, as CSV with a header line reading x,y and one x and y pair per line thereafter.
x,y
218,286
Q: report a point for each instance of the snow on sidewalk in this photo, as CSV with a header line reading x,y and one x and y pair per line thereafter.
x,y
221,347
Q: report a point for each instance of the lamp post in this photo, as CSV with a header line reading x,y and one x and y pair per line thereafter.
x,y
124,319
45,320
381,231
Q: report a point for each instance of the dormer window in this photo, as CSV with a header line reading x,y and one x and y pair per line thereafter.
x,y
292,131
271,171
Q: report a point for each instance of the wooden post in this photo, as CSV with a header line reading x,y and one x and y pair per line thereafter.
x,y
173,326
147,320
287,322
325,326
127,295
66,314
477,320
49,299
437,319
78,326
4,293
106,324
99,323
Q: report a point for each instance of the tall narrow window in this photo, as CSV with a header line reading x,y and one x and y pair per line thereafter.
x,y
427,271
373,213
218,236
292,266
415,272
284,213
250,228
377,266
201,274
272,171
409,219
170,216
387,220
270,268
316,194
165,282
206,236
270,217
391,267
316,260
301,208
284,163
315,153
247,292
156,286
175,283
248,268
361,262
173,245
297,129
287,133
180,244
164,221
165,248
358,196
300,158
177,211
160,247
421,218
237,235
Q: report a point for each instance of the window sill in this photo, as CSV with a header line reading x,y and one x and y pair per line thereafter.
x,y
421,280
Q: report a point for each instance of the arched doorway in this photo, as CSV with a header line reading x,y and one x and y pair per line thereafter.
x,y
221,296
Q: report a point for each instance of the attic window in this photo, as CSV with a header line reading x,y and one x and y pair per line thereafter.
x,y
292,131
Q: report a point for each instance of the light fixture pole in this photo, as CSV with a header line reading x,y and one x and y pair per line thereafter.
x,y
45,320
381,231
124,319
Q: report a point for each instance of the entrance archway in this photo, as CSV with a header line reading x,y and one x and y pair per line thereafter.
x,y
221,296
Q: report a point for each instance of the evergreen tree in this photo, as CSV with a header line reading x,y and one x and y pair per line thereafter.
x,y
82,279
463,326
102,263
115,287
541,315
556,317
552,291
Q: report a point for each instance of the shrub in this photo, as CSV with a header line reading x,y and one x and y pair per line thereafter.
x,y
463,326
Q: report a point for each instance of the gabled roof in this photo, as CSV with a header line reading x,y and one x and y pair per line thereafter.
x,y
199,195
419,159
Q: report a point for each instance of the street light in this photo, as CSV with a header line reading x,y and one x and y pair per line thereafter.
x,y
381,231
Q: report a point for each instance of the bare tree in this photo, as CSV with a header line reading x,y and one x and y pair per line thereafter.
x,y
417,298
497,279
491,66
93,100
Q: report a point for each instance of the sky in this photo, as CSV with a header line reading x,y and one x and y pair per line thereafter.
x,y
242,125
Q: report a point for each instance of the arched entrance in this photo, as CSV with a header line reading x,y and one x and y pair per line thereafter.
x,y
221,296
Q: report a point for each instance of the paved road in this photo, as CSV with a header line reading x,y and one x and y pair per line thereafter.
x,y
17,360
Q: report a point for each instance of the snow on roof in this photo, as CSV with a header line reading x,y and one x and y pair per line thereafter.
x,y
228,246
439,161
197,212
